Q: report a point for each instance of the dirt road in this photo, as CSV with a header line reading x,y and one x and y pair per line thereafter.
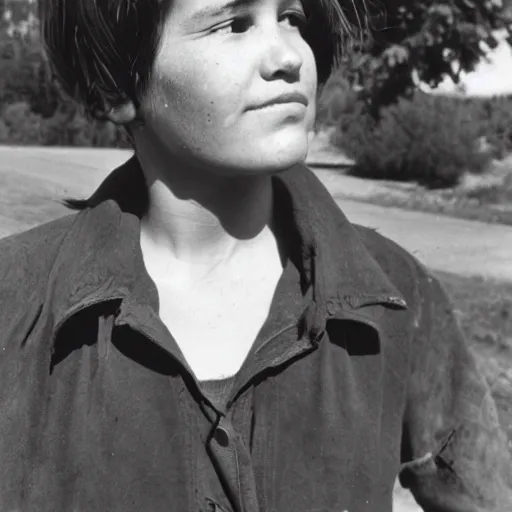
x,y
442,243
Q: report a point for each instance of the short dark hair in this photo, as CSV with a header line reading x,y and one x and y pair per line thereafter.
x,y
102,51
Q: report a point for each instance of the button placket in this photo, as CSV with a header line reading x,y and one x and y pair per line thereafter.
x,y
223,452
233,462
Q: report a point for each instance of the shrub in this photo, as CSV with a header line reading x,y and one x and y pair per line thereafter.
x,y
24,127
496,193
425,139
4,133
335,102
496,122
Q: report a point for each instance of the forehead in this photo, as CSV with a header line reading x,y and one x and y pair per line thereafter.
x,y
198,9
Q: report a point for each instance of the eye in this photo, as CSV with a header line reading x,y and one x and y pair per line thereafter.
x,y
235,26
296,19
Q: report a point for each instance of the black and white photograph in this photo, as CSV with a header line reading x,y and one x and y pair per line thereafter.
x,y
255,255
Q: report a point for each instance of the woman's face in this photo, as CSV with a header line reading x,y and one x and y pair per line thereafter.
x,y
218,64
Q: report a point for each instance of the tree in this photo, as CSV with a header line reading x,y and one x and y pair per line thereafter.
x,y
422,40
33,108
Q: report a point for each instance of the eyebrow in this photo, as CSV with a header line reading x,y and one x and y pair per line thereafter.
x,y
213,11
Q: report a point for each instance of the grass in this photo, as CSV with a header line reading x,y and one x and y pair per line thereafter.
x,y
458,207
484,309
486,197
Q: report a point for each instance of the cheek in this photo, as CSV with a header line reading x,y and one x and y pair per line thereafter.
x,y
203,93
310,69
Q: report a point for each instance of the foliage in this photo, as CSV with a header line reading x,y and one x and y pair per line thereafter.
x,y
491,116
4,132
33,109
336,100
495,119
23,125
424,40
424,139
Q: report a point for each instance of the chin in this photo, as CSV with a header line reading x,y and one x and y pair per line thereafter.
x,y
266,155
274,162
284,162
281,153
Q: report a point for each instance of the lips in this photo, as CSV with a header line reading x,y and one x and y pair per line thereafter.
x,y
290,97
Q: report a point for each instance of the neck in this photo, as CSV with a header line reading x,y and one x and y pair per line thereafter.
x,y
197,221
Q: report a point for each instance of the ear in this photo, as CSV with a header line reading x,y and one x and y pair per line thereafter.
x,y
123,114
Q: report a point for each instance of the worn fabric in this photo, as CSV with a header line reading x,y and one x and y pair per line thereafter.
x,y
368,377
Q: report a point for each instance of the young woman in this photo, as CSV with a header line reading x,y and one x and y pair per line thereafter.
x,y
209,332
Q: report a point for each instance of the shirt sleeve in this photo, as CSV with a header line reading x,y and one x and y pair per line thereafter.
x,y
455,455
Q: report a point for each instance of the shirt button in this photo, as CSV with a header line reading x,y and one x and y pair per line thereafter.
x,y
221,436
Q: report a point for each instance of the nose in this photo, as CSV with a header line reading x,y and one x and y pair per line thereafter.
x,y
281,58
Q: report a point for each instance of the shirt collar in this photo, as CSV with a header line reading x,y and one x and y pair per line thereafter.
x,y
100,259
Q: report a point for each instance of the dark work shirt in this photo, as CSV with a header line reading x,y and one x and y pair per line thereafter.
x,y
217,391
220,465
359,374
